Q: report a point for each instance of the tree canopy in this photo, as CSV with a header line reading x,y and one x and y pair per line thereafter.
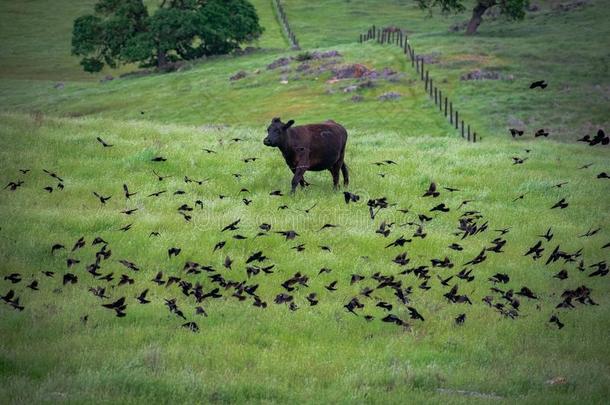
x,y
513,9
123,31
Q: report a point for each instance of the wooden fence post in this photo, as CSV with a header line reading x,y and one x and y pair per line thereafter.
x,y
440,100
421,62
474,137
435,96
462,128
445,107
468,131
456,119
451,113
430,88
426,81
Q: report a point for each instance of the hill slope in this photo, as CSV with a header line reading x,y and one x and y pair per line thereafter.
x,y
64,345
243,353
575,103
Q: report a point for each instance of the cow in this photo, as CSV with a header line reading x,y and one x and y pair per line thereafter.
x,y
312,147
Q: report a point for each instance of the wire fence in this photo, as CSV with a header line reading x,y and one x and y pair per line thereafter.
x,y
281,15
441,101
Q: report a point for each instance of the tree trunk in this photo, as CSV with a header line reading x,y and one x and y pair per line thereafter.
x,y
477,17
161,60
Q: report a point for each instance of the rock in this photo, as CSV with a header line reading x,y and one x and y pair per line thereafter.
x,y
392,95
238,76
479,74
366,84
284,81
303,56
357,98
324,55
350,89
58,86
351,71
303,67
283,61
327,65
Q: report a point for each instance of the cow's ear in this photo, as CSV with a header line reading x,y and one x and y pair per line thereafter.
x,y
288,124
276,119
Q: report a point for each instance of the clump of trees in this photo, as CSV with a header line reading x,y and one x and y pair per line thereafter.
x,y
123,31
513,9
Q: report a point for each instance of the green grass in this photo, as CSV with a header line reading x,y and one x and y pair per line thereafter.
x,y
576,67
204,95
320,354
569,50
35,39
323,353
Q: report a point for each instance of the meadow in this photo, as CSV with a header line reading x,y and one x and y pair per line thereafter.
x,y
64,346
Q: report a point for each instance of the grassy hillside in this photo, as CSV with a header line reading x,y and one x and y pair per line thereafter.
x,y
64,346
568,49
205,95
35,39
314,353
575,103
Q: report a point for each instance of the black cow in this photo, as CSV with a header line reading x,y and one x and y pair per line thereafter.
x,y
313,147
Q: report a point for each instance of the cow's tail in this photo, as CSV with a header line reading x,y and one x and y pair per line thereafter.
x,y
345,173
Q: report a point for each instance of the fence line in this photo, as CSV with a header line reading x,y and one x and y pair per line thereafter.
x,y
281,16
399,38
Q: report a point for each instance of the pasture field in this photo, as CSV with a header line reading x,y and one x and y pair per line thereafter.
x,y
243,353
65,346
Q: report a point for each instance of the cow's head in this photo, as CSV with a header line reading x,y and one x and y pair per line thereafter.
x,y
276,131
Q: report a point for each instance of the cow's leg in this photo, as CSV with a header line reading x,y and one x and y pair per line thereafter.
x,y
345,174
303,182
335,172
298,177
